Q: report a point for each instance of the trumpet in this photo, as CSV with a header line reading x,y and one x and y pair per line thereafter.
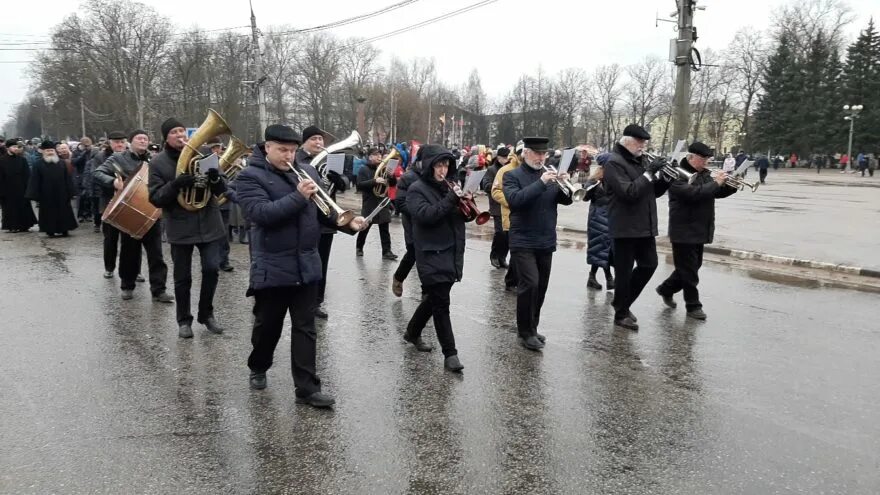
x,y
576,193
468,207
729,181
323,200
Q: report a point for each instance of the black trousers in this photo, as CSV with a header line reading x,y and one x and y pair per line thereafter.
x,y
324,246
224,243
181,256
500,246
384,237
270,307
130,260
406,263
435,303
95,205
533,277
688,259
762,174
111,245
630,281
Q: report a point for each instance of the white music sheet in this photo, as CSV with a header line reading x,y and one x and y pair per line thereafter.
x,y
336,163
565,161
473,181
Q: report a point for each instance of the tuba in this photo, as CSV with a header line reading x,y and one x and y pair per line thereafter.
x,y
230,162
381,190
320,160
198,196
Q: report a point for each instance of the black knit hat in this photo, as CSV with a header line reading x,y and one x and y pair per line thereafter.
x,y
313,130
170,124
503,152
137,132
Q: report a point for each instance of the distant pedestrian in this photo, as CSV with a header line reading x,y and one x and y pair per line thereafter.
x,y
729,164
762,164
844,160
862,161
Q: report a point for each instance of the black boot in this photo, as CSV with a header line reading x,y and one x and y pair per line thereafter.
x,y
593,283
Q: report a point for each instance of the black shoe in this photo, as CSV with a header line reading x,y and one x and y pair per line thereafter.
x,y
185,331
320,313
65,234
396,287
532,343
212,325
96,230
631,316
667,300
542,338
258,380
140,278
592,283
609,283
495,262
627,323
452,363
420,344
317,399
503,263
388,255
359,252
508,288
163,297
697,314
127,295
108,274
227,268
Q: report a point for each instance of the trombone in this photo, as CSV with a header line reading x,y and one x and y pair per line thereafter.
x,y
323,200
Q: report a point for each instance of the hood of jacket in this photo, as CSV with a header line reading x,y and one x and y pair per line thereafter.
x,y
431,154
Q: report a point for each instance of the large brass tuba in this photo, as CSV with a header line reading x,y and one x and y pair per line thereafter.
x,y
230,162
381,190
198,196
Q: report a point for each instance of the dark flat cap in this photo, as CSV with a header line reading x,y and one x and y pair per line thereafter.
x,y
281,134
636,131
503,152
538,144
116,135
14,142
701,149
47,145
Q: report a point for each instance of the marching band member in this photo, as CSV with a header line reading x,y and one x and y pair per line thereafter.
x,y
412,174
285,264
498,195
634,189
365,181
532,196
499,250
439,240
691,226
187,230
127,164
115,144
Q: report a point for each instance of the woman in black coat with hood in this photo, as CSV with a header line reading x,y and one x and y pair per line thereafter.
x,y
438,238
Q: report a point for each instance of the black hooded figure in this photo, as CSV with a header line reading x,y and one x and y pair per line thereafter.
x,y
18,216
438,239
51,185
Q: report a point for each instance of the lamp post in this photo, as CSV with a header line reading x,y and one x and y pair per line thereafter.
x,y
742,139
853,111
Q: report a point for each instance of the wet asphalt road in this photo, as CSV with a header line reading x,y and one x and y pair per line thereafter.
x,y
777,392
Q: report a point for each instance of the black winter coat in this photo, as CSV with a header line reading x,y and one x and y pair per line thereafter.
x,y
438,226
632,208
303,158
486,186
125,163
51,185
370,201
532,208
692,207
599,242
181,226
15,174
88,185
406,180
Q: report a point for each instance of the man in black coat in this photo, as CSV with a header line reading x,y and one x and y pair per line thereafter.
x,y
313,143
115,144
499,250
51,185
691,226
633,188
410,177
187,230
109,176
18,215
366,180
532,194
439,241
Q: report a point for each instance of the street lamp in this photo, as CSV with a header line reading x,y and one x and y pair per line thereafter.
x,y
742,139
853,111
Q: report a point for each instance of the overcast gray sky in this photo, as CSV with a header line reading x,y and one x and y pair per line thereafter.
x,y
501,39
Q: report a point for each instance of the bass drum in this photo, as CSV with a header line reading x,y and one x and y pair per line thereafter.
x,y
130,209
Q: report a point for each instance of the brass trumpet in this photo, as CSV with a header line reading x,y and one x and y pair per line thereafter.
x,y
323,200
230,163
577,193
381,190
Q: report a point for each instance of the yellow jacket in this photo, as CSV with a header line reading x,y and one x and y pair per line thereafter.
x,y
498,192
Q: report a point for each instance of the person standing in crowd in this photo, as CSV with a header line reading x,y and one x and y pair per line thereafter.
x,y
217,149
439,238
413,174
369,201
51,185
729,164
862,161
844,161
692,226
187,230
313,143
777,161
32,151
116,144
633,187
109,176
88,201
499,250
599,242
532,196
792,160
285,263
762,164
497,194
18,215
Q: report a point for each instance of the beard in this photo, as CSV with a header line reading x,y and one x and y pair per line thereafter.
x,y
52,159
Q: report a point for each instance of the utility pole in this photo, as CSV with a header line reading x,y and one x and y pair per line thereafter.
x,y
683,45
140,102
82,117
259,77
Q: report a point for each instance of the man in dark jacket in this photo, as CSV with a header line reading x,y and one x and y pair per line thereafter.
x,y
109,176
762,164
116,144
18,215
366,180
499,250
633,188
439,237
285,263
532,195
187,230
409,178
313,143
691,226
51,185
89,207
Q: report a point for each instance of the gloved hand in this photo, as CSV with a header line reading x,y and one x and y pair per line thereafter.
x,y
657,165
183,181
213,175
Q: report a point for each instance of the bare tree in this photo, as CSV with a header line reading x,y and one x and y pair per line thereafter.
x,y
319,66
645,90
571,96
604,95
